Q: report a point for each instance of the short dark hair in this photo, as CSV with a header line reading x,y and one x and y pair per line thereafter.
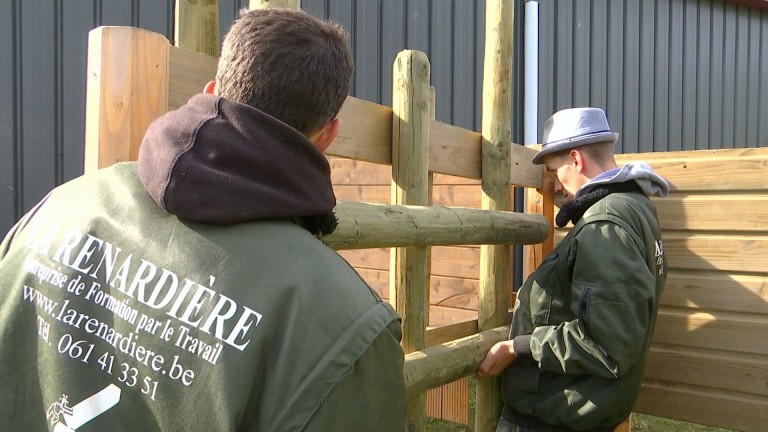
x,y
288,64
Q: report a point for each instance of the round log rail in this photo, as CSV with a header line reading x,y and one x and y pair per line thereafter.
x,y
444,363
367,225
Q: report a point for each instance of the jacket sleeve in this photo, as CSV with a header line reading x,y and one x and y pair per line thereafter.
x,y
371,396
612,296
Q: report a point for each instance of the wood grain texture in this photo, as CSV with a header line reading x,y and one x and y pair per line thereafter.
x,y
704,406
189,71
409,266
127,88
720,331
444,363
263,4
197,26
734,372
367,225
495,261
746,212
714,291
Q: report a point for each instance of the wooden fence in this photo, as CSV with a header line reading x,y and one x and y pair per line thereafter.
x,y
709,358
136,75
708,363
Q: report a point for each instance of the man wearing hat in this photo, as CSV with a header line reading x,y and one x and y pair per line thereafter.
x,y
583,320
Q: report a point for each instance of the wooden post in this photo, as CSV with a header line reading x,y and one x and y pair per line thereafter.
x,y
409,275
495,265
541,201
197,26
441,364
127,88
264,4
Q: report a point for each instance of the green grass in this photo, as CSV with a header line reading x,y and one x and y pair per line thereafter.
x,y
640,422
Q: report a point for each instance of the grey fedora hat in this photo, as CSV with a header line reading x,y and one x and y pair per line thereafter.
x,y
574,127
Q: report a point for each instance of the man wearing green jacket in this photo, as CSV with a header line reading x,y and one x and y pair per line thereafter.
x,y
189,291
583,321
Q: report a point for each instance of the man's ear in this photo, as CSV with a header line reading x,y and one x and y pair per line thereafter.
x,y
327,134
577,159
210,88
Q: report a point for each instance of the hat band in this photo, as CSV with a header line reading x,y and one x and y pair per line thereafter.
x,y
577,138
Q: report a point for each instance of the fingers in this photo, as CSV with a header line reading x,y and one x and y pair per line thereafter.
x,y
496,360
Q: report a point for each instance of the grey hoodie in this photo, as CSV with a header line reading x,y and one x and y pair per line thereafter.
x,y
651,183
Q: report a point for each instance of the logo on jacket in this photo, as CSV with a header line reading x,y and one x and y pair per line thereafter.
x,y
67,419
659,257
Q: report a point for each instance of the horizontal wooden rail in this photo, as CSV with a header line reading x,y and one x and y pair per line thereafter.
x,y
366,134
444,363
693,171
366,225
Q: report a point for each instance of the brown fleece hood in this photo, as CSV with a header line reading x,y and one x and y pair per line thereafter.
x,y
222,162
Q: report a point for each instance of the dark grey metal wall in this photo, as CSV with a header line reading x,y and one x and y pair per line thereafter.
x,y
671,74
43,44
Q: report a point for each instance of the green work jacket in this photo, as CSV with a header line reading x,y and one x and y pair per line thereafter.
x,y
116,316
583,320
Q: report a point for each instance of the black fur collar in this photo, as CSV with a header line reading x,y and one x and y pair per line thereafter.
x,y
319,225
575,209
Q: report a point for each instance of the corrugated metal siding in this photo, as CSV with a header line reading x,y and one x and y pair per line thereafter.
x,y
43,73
671,74
43,47
450,32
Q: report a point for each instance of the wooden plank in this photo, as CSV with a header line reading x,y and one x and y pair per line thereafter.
x,y
743,174
710,212
448,332
698,251
358,172
127,88
442,195
714,331
450,320
460,323
732,253
716,292
448,292
365,134
708,368
197,26
451,261
188,71
692,404
450,402
694,155
456,151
